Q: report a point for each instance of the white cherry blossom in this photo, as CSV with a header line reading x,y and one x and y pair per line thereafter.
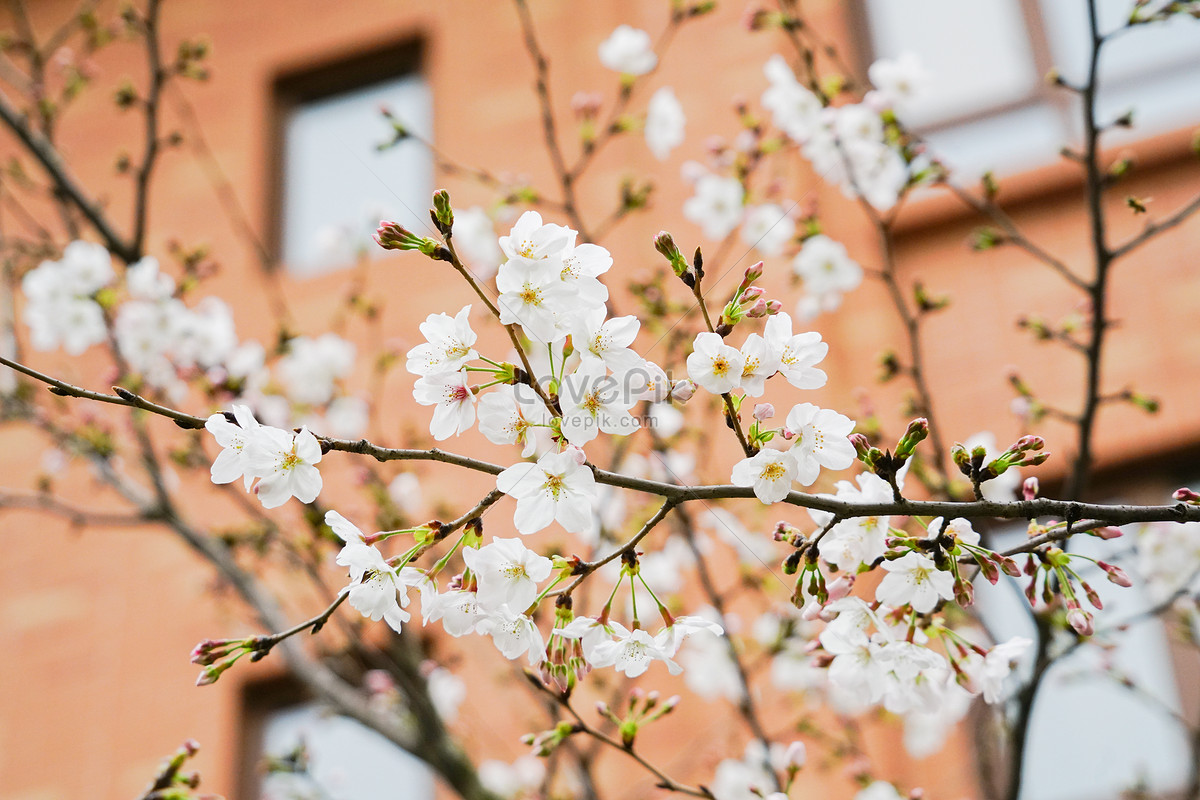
x,y
664,123
768,228
593,402
449,347
532,294
507,416
312,366
608,340
899,80
913,579
453,399
770,472
233,461
557,487
508,573
794,109
284,462
631,652
821,440
825,267
715,365
797,354
531,240
513,634
759,362
716,205
628,50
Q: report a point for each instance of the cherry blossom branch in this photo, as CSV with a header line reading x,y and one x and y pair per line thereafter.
x,y
532,380
745,703
1152,229
565,177
150,107
581,726
41,501
585,568
48,156
1013,234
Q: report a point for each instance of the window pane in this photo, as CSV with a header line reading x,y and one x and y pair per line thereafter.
x,y
977,52
1089,737
347,761
1153,69
338,184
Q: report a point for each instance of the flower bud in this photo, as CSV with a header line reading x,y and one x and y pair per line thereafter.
x,y
665,245
1115,574
787,433
758,310
577,454
764,411
753,273
1029,489
1107,532
683,390
1186,495
774,307
752,294
795,755
840,587
1081,621
586,105
916,432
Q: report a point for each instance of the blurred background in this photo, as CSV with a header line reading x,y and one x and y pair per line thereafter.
x,y
282,171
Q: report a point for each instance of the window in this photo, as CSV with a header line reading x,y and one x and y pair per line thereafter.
x,y
988,104
335,182
341,758
1089,737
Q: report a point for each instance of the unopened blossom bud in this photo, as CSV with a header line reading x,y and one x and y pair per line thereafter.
x,y
961,458
378,681
1092,595
1186,495
757,18
1008,566
665,245
394,236
753,273
211,673
585,105
916,432
758,310
441,213
787,433
1115,574
812,611
682,390
795,755
1029,489
840,587
1107,532
774,307
862,446
577,454
1081,621
764,411
751,294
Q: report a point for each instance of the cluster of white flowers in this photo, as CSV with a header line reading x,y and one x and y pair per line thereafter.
x,y
165,342
873,660
665,123
847,145
61,307
827,271
282,462
1168,559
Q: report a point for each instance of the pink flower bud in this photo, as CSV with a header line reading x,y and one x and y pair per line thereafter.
x,y
758,309
811,611
585,105
753,273
1081,621
787,434
1186,495
683,390
774,307
753,293
577,454
1029,489
1115,574
840,587
378,681
795,755
764,411
1107,532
